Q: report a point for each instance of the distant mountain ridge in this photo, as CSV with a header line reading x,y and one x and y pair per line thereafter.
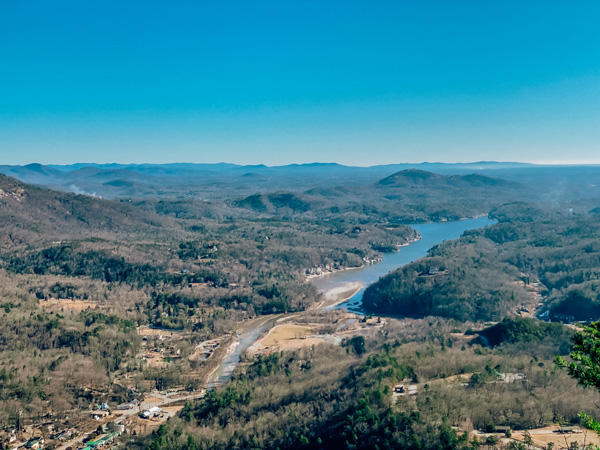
x,y
228,181
411,177
415,177
479,165
77,171
403,196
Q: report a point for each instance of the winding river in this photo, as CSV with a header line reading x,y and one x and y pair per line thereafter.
x,y
431,234
231,360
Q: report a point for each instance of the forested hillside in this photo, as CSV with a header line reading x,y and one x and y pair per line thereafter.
x,y
30,215
406,196
83,276
250,265
331,397
530,257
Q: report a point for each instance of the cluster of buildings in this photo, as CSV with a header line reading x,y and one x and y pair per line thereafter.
x,y
321,270
373,260
328,268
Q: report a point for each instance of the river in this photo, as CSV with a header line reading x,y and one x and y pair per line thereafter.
x,y
231,360
431,234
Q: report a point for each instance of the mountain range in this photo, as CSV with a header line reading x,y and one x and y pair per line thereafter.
x,y
213,180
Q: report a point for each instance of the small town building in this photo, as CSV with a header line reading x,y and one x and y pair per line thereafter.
x,y
150,413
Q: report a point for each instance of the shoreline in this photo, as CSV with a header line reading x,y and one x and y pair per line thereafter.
x,y
340,294
330,272
345,269
213,376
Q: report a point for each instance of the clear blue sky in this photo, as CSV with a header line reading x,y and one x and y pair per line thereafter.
x,y
276,82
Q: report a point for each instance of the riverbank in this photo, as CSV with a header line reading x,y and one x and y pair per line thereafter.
x,y
326,272
429,235
340,294
329,272
339,286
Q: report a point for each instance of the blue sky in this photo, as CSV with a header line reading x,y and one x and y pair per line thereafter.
x,y
275,82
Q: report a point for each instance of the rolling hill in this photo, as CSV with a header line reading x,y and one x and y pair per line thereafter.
x,y
29,214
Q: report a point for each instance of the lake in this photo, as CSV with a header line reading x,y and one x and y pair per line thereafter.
x,y
431,234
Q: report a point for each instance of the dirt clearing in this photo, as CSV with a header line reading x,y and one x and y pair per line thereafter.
x,y
67,304
282,333
541,437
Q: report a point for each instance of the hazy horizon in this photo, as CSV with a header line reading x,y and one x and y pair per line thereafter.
x,y
258,163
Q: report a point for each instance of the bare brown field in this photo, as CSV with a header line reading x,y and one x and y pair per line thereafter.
x,y
541,437
146,331
67,304
286,332
153,400
303,333
463,377
293,344
172,410
157,362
